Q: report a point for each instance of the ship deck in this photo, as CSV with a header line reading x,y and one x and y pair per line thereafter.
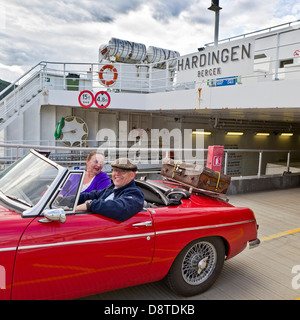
x,y
263,273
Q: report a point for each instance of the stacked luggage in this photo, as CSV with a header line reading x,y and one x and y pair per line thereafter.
x,y
195,176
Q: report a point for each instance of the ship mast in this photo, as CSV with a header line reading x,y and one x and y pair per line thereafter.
x,y
215,7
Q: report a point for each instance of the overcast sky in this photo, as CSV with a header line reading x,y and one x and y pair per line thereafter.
x,y
72,30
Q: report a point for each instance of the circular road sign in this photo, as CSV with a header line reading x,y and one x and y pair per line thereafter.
x,y
86,98
102,99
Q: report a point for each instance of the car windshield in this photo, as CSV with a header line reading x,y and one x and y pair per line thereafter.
x,y
27,179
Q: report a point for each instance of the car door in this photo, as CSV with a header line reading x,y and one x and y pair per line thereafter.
x,y
85,255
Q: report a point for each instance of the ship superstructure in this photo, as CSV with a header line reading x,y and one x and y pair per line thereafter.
x,y
248,85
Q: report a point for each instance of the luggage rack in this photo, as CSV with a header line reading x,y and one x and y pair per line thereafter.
x,y
197,190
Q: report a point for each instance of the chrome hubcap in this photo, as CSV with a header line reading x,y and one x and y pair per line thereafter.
x,y
202,265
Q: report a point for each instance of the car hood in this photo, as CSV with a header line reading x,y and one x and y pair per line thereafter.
x,y
12,226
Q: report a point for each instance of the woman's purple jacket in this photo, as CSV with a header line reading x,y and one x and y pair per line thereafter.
x,y
99,182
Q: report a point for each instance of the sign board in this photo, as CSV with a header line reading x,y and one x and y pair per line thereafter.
x,y
215,62
102,99
86,98
229,81
217,161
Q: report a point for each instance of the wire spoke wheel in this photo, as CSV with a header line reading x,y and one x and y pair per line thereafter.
x,y
199,263
197,266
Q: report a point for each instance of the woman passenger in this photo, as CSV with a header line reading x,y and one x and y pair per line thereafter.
x,y
94,179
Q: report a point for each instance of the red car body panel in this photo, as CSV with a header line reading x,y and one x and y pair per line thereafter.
x,y
12,226
175,230
86,255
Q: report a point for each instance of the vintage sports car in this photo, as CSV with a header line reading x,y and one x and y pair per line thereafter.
x,y
53,252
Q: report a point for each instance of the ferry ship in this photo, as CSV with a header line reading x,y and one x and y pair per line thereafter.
x,y
241,93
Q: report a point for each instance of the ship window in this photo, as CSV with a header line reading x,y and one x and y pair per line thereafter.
x,y
284,62
260,56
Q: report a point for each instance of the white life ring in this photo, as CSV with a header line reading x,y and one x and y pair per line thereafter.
x,y
111,68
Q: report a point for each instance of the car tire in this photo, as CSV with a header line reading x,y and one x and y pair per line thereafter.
x,y
197,266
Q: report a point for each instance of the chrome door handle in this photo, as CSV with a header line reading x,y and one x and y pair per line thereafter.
x,y
143,224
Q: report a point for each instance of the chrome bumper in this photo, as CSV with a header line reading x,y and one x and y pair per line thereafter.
x,y
254,243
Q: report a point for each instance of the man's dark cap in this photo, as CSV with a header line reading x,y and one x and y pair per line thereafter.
x,y
124,164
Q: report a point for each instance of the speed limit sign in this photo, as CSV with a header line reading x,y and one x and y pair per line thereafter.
x,y
86,98
102,99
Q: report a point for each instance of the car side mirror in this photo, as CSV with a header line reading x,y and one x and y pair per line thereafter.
x,y
51,215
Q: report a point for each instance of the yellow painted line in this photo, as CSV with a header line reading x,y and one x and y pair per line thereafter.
x,y
281,234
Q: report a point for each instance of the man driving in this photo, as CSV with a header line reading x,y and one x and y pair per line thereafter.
x,y
120,200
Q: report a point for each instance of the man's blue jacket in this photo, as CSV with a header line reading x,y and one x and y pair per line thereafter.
x,y
128,200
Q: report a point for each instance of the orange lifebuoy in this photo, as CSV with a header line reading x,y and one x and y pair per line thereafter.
x,y
112,69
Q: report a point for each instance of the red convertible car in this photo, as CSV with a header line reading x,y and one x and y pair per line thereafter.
x,y
53,252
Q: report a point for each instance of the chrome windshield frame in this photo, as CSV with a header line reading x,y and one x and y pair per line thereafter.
x,y
50,193
53,190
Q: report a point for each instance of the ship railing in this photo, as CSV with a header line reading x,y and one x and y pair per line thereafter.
x,y
141,78
27,76
258,32
238,163
21,92
20,97
149,79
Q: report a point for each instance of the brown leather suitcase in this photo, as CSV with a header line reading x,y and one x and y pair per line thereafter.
x,y
196,176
